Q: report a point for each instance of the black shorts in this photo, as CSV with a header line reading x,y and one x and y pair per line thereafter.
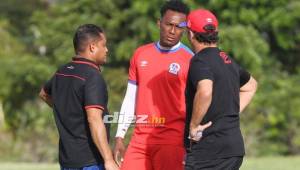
x,y
232,163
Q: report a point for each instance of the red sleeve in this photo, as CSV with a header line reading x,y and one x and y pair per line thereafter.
x,y
133,73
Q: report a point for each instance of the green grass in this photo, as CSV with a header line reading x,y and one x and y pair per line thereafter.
x,y
27,166
271,163
265,163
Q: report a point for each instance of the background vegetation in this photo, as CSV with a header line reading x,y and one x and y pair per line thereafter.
x,y
36,37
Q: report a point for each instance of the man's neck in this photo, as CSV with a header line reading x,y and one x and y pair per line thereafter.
x,y
83,55
201,46
168,48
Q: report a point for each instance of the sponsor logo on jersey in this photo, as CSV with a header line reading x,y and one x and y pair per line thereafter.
x,y
144,63
70,67
225,58
174,68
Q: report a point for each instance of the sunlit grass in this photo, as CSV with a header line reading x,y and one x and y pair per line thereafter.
x,y
264,163
271,163
28,166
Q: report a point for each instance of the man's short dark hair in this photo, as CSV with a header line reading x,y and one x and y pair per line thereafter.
x,y
174,5
84,35
210,36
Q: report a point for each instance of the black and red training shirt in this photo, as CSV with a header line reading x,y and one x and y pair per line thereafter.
x,y
74,87
223,138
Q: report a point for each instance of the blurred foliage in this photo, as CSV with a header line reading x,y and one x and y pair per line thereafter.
x,y
126,27
36,37
278,23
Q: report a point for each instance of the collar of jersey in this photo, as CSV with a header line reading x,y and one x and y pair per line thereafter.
x,y
167,50
81,60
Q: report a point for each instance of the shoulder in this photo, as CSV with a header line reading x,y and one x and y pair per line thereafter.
x,y
207,55
63,67
187,50
199,57
145,47
95,76
142,50
200,61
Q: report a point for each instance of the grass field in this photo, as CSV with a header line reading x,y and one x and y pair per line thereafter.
x,y
266,163
271,163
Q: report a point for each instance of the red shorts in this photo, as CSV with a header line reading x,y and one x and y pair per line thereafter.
x,y
153,157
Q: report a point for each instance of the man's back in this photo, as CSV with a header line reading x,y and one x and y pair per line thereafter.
x,y
217,91
226,77
69,88
223,138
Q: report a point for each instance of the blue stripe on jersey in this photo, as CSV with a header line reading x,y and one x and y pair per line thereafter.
x,y
132,82
166,51
187,49
174,50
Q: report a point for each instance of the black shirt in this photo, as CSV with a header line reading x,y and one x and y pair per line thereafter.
x,y
223,138
76,86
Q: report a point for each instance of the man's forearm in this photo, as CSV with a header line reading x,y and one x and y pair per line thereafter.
x,y
201,103
98,132
45,97
127,110
245,98
247,92
48,100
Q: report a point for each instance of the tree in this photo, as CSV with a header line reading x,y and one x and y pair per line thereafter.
x,y
262,35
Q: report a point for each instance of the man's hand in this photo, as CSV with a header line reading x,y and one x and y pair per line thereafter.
x,y
196,131
111,165
119,150
45,97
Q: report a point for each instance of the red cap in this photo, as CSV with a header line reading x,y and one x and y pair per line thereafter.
x,y
198,19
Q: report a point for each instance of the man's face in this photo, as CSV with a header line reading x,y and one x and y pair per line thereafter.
x,y
101,50
170,28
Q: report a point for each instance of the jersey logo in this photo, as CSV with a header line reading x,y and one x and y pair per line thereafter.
x,y
144,63
208,19
225,58
70,67
174,68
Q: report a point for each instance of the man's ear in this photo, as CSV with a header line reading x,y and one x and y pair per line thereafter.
x,y
191,34
91,47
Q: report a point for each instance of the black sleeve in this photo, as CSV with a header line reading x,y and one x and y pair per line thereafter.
x,y
244,76
200,70
48,86
95,93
